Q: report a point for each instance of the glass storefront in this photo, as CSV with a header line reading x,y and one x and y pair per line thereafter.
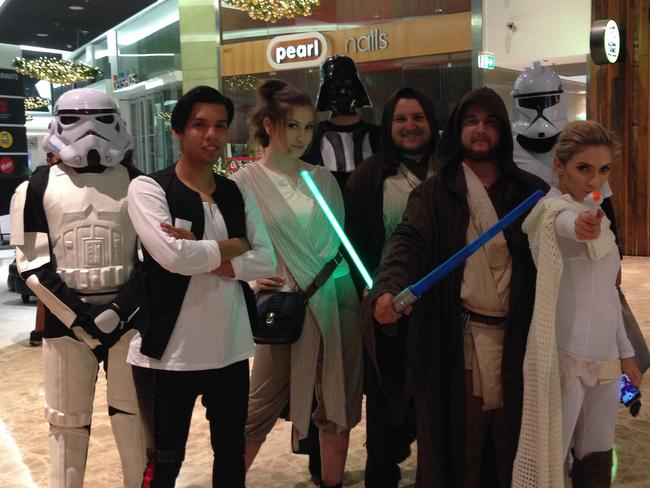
x,y
150,45
155,148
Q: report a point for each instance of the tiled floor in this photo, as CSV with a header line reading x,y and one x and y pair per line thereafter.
x,y
23,431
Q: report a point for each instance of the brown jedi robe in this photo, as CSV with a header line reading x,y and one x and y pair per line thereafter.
x,y
434,228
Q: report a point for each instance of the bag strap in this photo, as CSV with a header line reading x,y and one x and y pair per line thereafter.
x,y
323,275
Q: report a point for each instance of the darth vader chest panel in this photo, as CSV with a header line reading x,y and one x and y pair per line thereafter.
x,y
93,241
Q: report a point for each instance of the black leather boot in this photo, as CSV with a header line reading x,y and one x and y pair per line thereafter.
x,y
594,471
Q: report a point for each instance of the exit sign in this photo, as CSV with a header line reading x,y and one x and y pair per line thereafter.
x,y
485,60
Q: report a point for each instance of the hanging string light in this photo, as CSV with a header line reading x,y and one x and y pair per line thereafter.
x,y
59,71
274,10
34,103
164,116
240,83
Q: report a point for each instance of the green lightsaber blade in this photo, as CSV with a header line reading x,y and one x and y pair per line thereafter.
x,y
336,226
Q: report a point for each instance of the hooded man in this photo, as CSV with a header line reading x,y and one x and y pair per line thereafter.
x,y
468,333
375,199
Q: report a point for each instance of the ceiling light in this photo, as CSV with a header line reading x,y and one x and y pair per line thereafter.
x,y
42,34
76,7
42,49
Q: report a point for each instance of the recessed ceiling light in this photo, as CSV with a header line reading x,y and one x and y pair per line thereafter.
x,y
75,7
42,34
69,46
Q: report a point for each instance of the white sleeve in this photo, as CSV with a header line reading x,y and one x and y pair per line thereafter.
x,y
147,209
260,261
565,225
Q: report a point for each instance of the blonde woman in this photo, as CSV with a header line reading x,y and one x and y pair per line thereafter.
x,y
577,345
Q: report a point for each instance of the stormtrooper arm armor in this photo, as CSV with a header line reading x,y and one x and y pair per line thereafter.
x,y
34,260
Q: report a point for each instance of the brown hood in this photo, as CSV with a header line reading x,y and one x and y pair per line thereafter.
x,y
449,152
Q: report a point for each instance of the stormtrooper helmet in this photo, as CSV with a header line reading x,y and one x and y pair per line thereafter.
x,y
341,90
539,104
87,130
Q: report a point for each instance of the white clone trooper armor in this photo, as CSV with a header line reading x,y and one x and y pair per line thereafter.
x,y
540,114
76,249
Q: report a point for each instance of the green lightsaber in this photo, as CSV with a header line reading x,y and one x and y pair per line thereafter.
x,y
337,227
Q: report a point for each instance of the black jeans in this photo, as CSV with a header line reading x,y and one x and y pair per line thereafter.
x,y
166,400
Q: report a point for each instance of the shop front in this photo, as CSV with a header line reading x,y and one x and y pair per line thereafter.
x,y
427,45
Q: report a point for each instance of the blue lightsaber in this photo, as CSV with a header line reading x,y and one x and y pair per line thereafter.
x,y
413,293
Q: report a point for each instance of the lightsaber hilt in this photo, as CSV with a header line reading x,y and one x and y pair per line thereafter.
x,y
404,299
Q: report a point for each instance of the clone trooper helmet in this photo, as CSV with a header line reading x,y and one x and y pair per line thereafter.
x,y
539,104
87,130
341,90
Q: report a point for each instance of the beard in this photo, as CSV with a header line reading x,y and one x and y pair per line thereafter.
x,y
411,152
479,156
414,150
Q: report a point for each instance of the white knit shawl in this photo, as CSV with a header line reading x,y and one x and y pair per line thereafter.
x,y
539,462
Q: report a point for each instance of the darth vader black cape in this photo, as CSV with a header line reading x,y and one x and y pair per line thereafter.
x,y
434,227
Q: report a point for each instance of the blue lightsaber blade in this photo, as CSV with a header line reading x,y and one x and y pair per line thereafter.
x,y
409,295
311,184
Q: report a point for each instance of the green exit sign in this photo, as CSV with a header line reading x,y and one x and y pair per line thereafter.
x,y
485,60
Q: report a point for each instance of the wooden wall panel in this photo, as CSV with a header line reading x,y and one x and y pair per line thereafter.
x,y
354,11
619,99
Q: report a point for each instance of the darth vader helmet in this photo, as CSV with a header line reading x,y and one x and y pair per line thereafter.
x,y
341,90
87,130
539,105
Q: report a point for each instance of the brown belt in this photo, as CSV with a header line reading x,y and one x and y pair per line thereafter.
x,y
482,319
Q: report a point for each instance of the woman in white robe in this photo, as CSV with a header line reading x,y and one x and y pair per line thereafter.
x,y
326,361
577,345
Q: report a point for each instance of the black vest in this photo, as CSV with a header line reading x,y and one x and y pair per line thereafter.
x,y
164,291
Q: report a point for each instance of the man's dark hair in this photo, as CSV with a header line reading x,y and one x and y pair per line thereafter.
x,y
388,147
199,94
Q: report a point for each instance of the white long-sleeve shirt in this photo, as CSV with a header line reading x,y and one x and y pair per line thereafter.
x,y
589,323
212,329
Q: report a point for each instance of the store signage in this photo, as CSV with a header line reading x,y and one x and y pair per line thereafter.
x,y
486,60
13,139
6,139
374,41
605,42
12,110
11,83
7,165
297,50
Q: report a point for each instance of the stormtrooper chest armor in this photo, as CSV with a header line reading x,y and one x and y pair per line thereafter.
x,y
93,241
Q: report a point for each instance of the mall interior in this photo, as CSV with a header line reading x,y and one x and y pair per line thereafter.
x,y
145,54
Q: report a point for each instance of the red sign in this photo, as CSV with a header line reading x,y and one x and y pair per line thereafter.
x,y
7,165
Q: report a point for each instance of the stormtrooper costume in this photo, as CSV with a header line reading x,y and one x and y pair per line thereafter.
x,y
539,110
76,248
340,148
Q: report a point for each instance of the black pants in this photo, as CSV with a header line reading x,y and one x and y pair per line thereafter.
x,y
390,430
166,400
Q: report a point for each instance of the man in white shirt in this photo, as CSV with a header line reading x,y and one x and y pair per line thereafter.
x,y
202,238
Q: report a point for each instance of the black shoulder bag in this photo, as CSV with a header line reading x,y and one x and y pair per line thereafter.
x,y
281,314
